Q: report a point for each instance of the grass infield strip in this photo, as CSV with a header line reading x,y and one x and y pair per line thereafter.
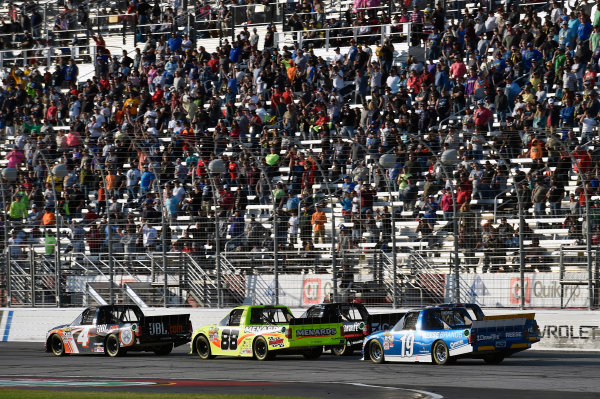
x,y
51,394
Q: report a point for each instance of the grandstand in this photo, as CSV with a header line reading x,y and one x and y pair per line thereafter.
x,y
203,154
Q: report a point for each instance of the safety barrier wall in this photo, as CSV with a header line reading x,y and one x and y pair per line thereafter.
x,y
561,329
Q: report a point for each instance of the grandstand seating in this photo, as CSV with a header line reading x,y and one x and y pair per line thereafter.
x,y
437,247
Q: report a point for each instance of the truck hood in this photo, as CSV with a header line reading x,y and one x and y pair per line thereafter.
x,y
57,328
199,329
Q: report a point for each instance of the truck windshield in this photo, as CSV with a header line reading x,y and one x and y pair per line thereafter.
x,y
408,322
85,318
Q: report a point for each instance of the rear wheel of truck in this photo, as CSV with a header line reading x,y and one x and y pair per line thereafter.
x,y
113,346
440,353
376,352
260,348
163,350
494,358
314,353
343,350
203,348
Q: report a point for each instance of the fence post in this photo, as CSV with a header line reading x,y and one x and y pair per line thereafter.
x,y
276,255
561,276
233,13
327,40
8,277
32,274
45,22
283,17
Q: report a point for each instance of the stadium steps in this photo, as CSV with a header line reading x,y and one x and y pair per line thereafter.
x,y
143,294
98,293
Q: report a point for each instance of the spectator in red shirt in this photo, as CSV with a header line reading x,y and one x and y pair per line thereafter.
x,y
482,116
213,63
458,69
227,199
158,96
288,96
52,113
414,83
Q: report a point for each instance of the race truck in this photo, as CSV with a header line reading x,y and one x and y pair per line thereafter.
x,y
262,331
442,334
115,330
357,323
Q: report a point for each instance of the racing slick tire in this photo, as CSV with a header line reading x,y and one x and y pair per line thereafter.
x,y
314,353
113,346
343,350
203,348
163,350
494,358
57,346
260,349
376,352
440,353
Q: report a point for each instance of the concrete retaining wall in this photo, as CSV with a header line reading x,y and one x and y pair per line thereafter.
x,y
561,329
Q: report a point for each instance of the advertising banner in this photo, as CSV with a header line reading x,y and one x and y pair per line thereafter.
x,y
568,330
504,290
294,290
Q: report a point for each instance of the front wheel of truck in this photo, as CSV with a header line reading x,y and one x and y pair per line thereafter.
x,y
203,348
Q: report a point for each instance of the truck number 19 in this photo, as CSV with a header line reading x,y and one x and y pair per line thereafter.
x,y
408,342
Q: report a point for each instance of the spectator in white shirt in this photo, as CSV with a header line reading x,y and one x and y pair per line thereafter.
x,y
587,126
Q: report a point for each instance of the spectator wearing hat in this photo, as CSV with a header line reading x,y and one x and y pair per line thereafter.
x,y
482,116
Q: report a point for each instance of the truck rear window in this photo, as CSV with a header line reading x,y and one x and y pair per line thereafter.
x,y
446,319
269,316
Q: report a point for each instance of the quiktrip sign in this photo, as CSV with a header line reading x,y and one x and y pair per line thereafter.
x,y
504,290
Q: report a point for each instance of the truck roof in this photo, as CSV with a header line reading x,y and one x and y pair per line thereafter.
x,y
261,307
113,307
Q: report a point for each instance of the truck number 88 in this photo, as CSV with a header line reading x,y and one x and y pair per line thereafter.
x,y
229,339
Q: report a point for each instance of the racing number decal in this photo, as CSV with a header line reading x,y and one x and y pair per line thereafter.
x,y
84,337
408,342
229,339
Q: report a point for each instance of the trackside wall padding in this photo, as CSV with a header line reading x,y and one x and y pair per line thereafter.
x,y
561,329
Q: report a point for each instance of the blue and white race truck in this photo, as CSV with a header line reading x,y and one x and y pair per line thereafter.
x,y
441,334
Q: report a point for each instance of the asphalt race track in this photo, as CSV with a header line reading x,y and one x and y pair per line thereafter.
x,y
530,374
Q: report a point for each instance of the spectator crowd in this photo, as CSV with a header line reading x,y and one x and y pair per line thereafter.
x,y
501,105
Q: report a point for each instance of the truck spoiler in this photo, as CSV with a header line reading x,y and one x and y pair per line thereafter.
x,y
526,316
